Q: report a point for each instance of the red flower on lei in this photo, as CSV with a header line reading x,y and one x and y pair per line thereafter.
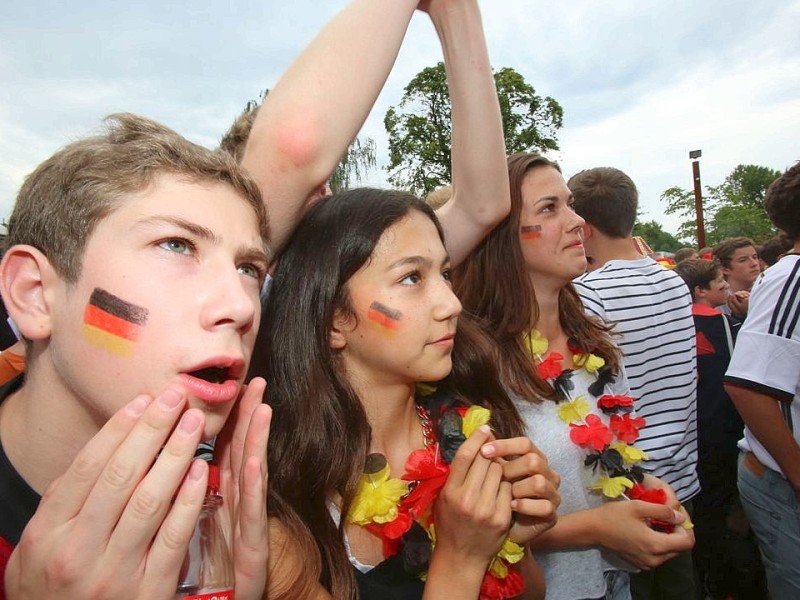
x,y
626,427
594,434
550,367
511,586
609,402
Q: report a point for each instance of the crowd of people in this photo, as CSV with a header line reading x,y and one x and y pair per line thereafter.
x,y
494,394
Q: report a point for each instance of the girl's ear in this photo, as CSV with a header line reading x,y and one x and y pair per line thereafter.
x,y
28,282
337,336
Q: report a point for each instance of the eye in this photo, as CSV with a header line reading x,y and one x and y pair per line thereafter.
x,y
447,275
412,278
253,270
549,207
177,245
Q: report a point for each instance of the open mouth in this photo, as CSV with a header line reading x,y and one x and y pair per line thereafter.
x,y
211,374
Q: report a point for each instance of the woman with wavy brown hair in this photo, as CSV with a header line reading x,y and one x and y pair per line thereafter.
x,y
566,379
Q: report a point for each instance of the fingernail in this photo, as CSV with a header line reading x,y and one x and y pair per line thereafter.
x,y
485,429
488,450
678,516
196,471
190,422
514,504
170,399
137,406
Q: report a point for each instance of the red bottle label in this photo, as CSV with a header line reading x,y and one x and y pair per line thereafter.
x,y
221,595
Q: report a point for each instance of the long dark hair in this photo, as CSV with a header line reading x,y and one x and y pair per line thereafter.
x,y
320,434
493,285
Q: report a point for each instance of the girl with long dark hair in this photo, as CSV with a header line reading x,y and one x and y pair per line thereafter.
x,y
377,483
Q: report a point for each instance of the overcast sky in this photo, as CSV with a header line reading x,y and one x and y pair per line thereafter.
x,y
641,82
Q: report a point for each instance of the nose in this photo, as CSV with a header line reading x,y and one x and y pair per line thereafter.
x,y
575,220
448,306
229,302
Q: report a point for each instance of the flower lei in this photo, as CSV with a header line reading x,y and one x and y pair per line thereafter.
x,y
400,511
609,448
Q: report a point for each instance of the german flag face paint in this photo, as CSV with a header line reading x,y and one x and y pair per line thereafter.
x,y
530,232
112,323
387,318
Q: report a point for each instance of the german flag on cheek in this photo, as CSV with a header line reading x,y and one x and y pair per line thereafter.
x,y
112,323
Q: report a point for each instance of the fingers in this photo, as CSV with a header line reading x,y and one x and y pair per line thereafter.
x,y
152,498
65,497
133,458
253,516
231,444
461,465
170,545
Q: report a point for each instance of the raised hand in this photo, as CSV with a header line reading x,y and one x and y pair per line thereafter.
x,y
109,528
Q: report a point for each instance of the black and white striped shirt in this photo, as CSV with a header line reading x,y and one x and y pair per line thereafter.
x,y
652,311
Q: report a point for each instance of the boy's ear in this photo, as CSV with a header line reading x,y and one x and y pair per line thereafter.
x,y
587,231
699,292
336,336
27,281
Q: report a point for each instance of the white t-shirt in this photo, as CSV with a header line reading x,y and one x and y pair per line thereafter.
x,y
766,357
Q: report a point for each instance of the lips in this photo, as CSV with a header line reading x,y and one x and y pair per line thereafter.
x,y
215,381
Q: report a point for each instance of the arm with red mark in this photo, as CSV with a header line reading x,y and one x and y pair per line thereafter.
x,y
316,109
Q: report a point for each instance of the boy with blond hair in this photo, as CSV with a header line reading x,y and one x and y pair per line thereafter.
x,y
134,266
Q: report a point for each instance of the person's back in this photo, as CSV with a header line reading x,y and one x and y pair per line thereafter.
x,y
650,308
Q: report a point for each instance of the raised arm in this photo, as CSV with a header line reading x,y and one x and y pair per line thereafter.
x,y
320,103
481,196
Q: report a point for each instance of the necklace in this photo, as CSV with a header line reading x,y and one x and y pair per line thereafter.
x,y
400,511
608,441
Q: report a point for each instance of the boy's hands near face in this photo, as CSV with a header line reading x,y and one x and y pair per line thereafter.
x,y
109,528
241,452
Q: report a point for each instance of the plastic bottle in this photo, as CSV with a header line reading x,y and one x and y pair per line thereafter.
x,y
207,572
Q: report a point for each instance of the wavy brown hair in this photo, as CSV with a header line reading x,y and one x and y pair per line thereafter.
x,y
493,284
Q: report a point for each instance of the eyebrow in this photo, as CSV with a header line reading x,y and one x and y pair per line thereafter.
x,y
553,198
419,261
249,253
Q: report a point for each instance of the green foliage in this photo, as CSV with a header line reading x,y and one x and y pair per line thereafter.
x,y
420,126
356,162
733,208
656,237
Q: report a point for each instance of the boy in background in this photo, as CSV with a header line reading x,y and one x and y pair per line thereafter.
x,y
725,554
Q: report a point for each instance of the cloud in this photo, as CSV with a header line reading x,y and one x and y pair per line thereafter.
x,y
641,83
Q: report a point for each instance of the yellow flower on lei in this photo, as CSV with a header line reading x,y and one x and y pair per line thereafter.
x,y
377,498
613,487
425,389
630,454
573,411
535,342
475,417
590,362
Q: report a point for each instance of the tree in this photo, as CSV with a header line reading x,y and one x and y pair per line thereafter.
x,y
733,208
420,126
356,162
656,237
